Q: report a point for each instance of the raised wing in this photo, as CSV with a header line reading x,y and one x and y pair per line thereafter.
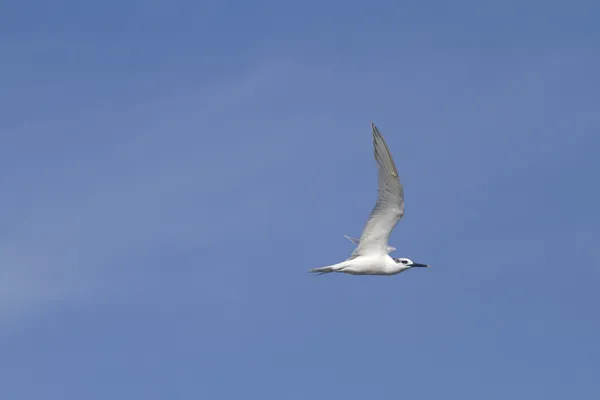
x,y
390,202
357,241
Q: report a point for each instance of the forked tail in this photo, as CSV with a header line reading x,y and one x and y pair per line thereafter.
x,y
328,269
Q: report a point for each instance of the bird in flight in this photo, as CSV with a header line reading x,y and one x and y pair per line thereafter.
x,y
371,254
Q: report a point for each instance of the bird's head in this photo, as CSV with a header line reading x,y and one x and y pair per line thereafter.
x,y
408,263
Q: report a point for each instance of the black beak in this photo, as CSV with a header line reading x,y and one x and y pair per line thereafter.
x,y
419,265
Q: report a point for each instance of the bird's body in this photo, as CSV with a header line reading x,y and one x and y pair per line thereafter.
x,y
371,254
366,265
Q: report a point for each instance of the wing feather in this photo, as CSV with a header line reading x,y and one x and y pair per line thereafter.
x,y
357,241
389,208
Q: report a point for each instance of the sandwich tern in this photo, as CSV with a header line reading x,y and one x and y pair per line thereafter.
x,y
371,254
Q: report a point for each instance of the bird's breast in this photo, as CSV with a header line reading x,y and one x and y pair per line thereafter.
x,y
365,265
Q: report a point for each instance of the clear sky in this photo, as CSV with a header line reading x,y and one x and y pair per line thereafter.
x,y
170,170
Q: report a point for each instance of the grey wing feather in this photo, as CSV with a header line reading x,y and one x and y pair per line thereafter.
x,y
357,241
389,208
353,240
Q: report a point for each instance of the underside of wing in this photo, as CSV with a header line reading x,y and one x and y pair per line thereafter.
x,y
389,208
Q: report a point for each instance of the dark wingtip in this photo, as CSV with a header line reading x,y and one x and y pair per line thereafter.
x,y
375,131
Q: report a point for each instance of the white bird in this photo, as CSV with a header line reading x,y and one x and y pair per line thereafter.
x,y
371,255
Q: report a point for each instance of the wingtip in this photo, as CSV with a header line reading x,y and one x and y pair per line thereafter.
x,y
375,130
379,141
353,240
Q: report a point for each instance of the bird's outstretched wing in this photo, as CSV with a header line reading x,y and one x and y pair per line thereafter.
x,y
357,241
390,202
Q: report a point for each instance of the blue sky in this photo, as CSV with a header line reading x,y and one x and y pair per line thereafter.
x,y
170,170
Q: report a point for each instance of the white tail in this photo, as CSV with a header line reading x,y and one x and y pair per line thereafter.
x,y
329,268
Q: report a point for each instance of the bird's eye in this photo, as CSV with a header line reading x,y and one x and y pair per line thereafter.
x,y
404,261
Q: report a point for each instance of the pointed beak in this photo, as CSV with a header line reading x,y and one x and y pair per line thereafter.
x,y
419,265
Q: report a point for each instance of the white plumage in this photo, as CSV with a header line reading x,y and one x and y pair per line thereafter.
x,y
371,254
